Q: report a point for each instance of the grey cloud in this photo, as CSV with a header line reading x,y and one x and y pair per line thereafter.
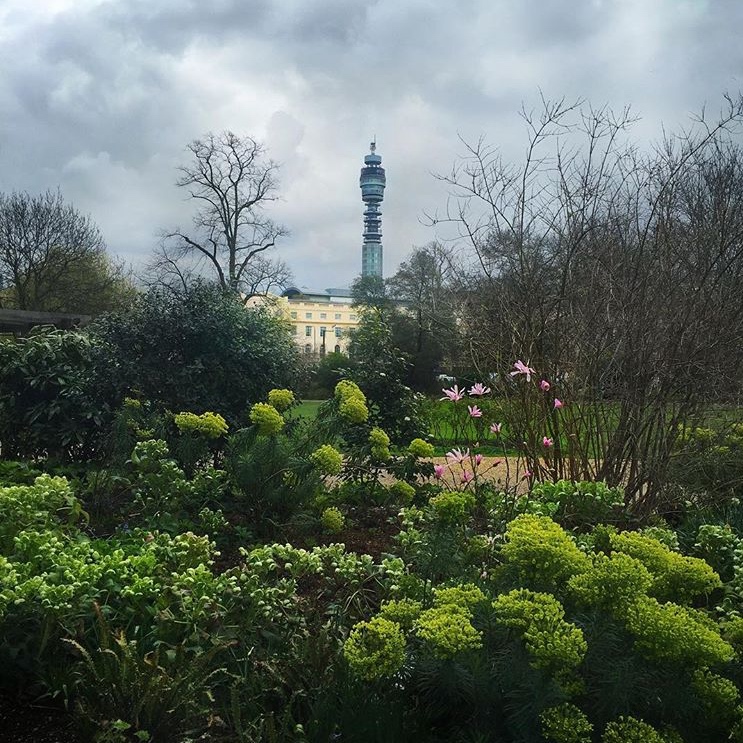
x,y
102,98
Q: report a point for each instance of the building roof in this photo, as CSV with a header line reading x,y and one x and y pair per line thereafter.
x,y
317,295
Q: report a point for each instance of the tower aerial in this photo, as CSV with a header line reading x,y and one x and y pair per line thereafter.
x,y
372,182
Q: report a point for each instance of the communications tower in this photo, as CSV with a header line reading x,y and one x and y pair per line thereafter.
x,y
372,182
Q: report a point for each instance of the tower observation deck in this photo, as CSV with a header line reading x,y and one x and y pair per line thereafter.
x,y
372,182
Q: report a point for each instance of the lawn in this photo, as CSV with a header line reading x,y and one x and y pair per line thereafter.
x,y
307,409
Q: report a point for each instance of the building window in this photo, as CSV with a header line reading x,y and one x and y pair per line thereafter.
x,y
308,348
308,330
337,315
338,332
353,317
323,330
337,348
323,315
293,315
308,315
294,329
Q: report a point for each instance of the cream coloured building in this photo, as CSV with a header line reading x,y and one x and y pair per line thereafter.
x,y
320,320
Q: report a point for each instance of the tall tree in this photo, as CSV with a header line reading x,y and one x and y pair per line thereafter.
x,y
52,258
233,183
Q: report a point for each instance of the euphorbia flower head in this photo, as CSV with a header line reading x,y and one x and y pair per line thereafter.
x,y
544,385
558,404
453,393
438,470
479,389
521,368
474,411
495,427
548,442
458,456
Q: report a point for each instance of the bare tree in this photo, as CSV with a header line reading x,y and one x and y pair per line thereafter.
x,y
262,276
618,273
233,183
54,258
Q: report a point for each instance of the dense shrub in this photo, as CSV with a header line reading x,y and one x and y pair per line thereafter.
x,y
52,402
197,350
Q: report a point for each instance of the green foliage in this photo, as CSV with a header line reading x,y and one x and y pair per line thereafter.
x,y
613,582
676,634
675,577
421,448
452,506
565,723
266,418
332,520
447,630
381,371
709,462
199,349
208,425
717,546
44,505
719,696
467,596
154,696
553,643
631,730
404,612
577,503
327,459
375,649
539,553
402,492
282,399
53,402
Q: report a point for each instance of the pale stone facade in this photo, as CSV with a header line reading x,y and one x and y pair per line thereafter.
x,y
320,320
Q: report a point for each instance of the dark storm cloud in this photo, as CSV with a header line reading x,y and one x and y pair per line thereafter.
x,y
101,96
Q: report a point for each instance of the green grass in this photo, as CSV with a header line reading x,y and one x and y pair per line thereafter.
x,y
307,409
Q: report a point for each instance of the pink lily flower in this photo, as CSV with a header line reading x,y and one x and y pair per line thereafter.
x,y
474,411
457,456
495,427
438,471
453,393
544,385
467,476
479,389
547,442
558,404
521,368
478,460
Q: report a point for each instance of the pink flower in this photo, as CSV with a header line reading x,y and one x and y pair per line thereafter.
x,y
558,404
453,393
544,385
521,368
527,474
478,459
479,389
467,476
438,471
495,427
547,442
457,456
474,411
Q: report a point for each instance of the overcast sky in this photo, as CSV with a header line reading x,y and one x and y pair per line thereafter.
x,y
100,97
